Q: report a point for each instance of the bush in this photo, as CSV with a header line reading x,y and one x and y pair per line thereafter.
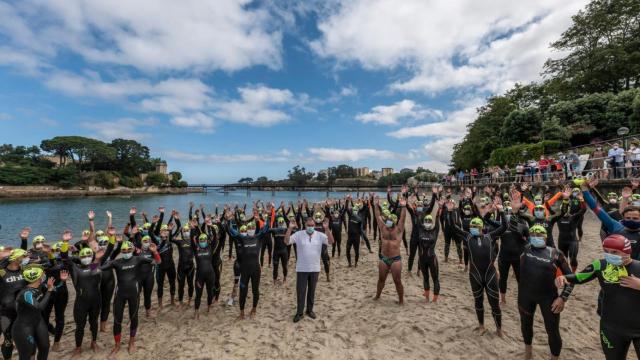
x,y
512,155
65,177
157,179
23,175
131,182
104,179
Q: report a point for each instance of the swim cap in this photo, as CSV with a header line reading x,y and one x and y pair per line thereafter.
x,y
203,237
102,238
146,238
86,232
537,229
16,254
539,207
185,228
86,252
612,195
617,242
127,245
428,218
537,197
38,239
635,197
467,207
99,233
32,273
578,182
575,190
56,246
393,217
164,227
146,226
476,222
243,228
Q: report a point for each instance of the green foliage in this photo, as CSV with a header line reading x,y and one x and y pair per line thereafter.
x,y
245,180
131,182
515,154
157,179
521,126
395,179
552,130
65,177
105,179
23,175
299,176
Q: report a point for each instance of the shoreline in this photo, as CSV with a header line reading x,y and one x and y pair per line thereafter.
x,y
40,192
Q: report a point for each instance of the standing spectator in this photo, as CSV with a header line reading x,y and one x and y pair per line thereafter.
x,y
474,175
543,166
507,174
634,157
461,177
616,157
573,160
519,172
597,161
467,176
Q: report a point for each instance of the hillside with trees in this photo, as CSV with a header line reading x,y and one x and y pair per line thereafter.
x,y
584,96
68,161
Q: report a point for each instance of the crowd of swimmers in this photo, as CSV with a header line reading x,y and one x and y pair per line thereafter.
x,y
112,270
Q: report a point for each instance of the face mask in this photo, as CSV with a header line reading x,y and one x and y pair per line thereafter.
x,y
630,224
635,203
538,202
428,225
613,259
539,214
186,234
388,223
145,245
145,232
310,230
467,212
355,209
282,225
575,194
419,209
474,231
38,246
86,260
251,232
613,201
507,217
127,256
243,234
24,262
203,244
318,221
537,241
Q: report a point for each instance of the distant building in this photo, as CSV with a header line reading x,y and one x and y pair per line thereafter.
x,y
56,160
387,171
376,174
161,167
363,171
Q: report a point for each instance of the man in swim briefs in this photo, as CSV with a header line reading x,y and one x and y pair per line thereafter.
x,y
391,229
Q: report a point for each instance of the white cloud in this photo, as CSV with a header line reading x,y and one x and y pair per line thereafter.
x,y
453,44
454,124
225,158
335,154
258,106
149,35
391,114
433,165
125,128
348,91
198,121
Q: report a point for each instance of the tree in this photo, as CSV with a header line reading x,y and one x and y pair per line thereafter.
x,y
245,180
322,176
344,171
603,50
521,126
156,179
262,180
59,146
552,130
131,157
299,176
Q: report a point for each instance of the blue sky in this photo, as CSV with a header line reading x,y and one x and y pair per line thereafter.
x,y
235,88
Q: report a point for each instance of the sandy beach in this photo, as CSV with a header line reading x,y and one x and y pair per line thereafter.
x,y
350,325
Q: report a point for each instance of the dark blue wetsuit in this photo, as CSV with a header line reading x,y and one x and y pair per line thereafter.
x,y
30,329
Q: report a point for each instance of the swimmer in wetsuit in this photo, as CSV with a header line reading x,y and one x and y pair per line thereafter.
x,y
619,278
427,236
539,265
391,230
11,282
482,272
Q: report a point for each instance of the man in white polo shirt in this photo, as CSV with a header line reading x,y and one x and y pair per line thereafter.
x,y
309,244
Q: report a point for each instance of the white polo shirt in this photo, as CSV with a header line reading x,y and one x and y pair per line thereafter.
x,y
309,250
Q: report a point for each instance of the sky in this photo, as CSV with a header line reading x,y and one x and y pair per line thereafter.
x,y
232,88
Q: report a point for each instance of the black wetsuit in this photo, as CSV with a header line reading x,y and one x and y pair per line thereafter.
x,y
11,282
280,252
482,272
166,267
450,235
512,243
355,230
205,274
86,280
221,236
29,331
567,241
249,252
428,260
538,269
620,318
186,268
147,277
336,224
127,291
417,216
267,246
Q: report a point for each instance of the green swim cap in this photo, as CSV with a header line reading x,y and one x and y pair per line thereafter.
x,y
203,237
32,273
537,229
126,245
99,233
476,222
38,239
86,252
146,238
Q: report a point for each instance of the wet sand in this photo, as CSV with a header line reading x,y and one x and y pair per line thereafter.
x,y
350,325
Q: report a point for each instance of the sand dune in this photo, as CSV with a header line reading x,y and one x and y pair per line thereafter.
x,y
351,325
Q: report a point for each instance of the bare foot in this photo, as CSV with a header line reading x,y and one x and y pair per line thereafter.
x,y
160,304
55,347
481,330
208,309
435,299
103,326
76,352
252,314
376,298
528,352
241,316
115,350
132,346
196,315
173,301
499,333
94,346
503,299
